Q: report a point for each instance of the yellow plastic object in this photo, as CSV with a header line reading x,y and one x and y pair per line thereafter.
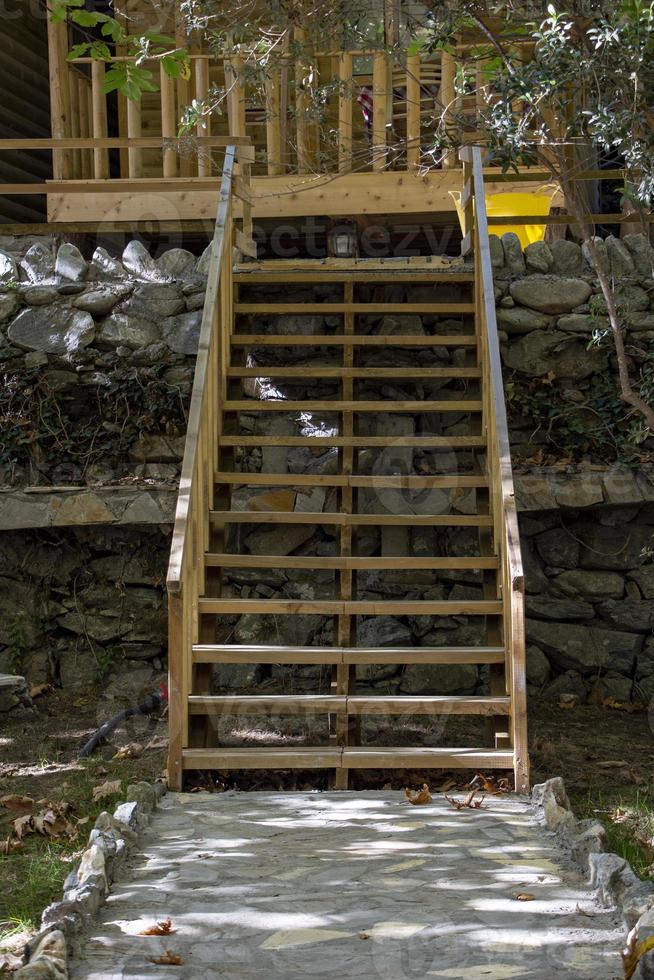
x,y
510,205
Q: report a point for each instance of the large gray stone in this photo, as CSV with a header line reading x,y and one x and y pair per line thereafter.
x,y
585,649
538,667
105,266
37,264
123,330
642,254
558,547
629,299
620,259
138,261
514,260
600,257
517,320
538,257
278,540
496,252
566,258
439,679
154,301
644,578
9,303
613,548
70,263
550,294
57,330
182,333
176,263
629,614
540,352
8,267
583,323
383,631
570,610
100,302
591,584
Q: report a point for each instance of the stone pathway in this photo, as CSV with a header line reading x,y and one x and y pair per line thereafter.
x,y
349,885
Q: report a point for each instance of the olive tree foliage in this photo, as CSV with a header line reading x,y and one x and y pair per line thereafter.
x,y
576,79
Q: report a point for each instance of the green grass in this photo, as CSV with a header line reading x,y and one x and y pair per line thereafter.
x,y
629,836
33,876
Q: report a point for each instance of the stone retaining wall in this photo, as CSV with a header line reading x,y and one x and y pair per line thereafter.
x,y
98,362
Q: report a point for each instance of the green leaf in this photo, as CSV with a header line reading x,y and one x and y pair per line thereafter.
x,y
77,51
87,19
111,28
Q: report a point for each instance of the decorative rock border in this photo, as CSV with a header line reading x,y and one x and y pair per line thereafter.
x,y
86,888
614,879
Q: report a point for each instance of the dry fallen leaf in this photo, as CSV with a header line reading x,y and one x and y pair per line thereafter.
x,y
164,928
110,788
10,845
490,784
422,796
524,897
468,803
131,751
23,826
18,804
167,959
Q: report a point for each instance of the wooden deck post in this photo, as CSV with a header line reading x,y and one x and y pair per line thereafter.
x,y
204,127
273,123
176,705
134,129
413,111
345,113
59,95
99,102
447,98
379,87
168,128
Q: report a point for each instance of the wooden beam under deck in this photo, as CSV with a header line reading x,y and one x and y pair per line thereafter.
x,y
280,197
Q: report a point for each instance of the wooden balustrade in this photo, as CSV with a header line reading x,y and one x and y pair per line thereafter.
x,y
290,134
505,540
191,534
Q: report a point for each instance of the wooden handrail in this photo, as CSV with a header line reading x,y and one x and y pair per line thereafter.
x,y
506,539
212,315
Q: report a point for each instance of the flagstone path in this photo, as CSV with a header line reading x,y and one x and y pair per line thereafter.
x,y
349,885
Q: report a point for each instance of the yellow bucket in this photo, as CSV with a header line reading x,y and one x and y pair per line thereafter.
x,y
510,205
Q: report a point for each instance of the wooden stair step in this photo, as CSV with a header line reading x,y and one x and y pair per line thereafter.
x,y
353,607
425,758
352,340
267,308
359,442
328,757
374,373
349,520
404,270
308,704
363,405
346,563
230,653
398,482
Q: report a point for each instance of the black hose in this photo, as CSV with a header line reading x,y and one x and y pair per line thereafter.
x,y
152,703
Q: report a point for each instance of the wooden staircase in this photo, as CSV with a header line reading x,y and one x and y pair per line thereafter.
x,y
375,360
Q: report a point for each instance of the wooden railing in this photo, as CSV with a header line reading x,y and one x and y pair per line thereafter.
x,y
506,539
410,94
186,570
